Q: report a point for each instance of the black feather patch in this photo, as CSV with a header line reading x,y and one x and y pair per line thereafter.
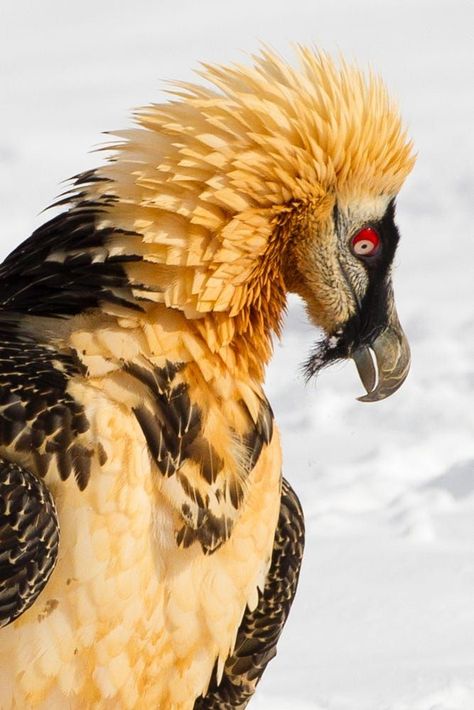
x,y
258,434
29,539
38,416
173,428
57,272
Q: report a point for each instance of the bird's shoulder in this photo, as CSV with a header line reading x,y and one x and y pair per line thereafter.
x,y
66,267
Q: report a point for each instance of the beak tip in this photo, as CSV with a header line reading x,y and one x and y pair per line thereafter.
x,y
392,356
373,396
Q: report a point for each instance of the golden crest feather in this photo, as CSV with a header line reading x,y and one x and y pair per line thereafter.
x,y
206,178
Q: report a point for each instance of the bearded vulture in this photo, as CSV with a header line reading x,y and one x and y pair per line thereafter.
x,y
149,547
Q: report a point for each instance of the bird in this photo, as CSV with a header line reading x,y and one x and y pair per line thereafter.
x,y
149,546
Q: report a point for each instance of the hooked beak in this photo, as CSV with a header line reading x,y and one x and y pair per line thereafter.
x,y
377,345
392,362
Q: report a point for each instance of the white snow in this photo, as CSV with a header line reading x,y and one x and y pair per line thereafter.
x,y
384,618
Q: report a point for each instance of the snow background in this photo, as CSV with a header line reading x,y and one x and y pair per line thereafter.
x,y
384,618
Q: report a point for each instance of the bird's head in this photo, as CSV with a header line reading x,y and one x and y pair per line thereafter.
x,y
274,179
342,269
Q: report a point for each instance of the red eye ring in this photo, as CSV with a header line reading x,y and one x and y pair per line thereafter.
x,y
366,242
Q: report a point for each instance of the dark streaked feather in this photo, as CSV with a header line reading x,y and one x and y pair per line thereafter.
x,y
38,417
173,428
260,629
29,539
258,434
55,272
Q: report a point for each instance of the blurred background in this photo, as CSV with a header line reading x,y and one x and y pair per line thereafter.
x,y
384,618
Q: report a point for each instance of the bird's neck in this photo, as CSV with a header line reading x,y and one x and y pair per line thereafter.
x,y
217,345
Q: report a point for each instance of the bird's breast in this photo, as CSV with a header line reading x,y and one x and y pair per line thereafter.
x,y
130,617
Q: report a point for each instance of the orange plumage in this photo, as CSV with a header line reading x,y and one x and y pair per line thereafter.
x,y
154,299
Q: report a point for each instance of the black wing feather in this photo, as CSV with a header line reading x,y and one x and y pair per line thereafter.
x,y
55,272
29,539
39,419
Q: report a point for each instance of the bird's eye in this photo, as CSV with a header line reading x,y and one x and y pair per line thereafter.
x,y
366,242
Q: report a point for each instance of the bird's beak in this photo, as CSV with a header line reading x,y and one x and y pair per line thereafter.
x,y
375,340
385,371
